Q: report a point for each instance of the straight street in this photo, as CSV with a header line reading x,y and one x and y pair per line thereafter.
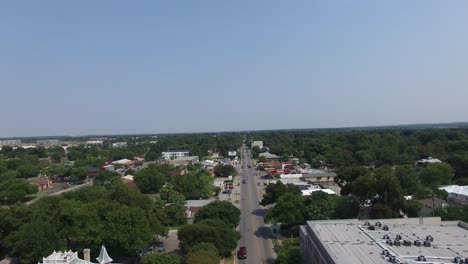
x,y
255,235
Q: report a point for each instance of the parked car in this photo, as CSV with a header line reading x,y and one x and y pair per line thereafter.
x,y
242,253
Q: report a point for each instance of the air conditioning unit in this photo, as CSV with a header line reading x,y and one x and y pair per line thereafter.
x,y
427,243
418,243
407,243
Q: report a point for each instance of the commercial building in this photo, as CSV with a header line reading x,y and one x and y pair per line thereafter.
x,y
403,240
457,193
10,142
269,157
319,177
258,144
424,162
184,161
48,142
119,144
170,155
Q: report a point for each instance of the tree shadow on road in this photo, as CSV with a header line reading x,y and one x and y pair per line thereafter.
x,y
259,212
263,232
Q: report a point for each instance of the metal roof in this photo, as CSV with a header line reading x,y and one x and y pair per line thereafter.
x,y
350,241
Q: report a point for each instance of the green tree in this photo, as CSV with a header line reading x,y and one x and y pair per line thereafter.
x,y
35,240
274,190
346,207
289,210
15,190
27,171
149,180
225,170
288,252
211,231
436,174
159,258
222,210
105,177
78,174
203,253
319,206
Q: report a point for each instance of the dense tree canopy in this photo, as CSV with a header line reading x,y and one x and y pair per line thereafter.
x,y
225,170
159,258
149,180
222,210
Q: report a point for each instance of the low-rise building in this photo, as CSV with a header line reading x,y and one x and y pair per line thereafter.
x,y
184,161
457,193
10,142
48,143
192,207
257,144
320,177
170,155
119,144
70,257
424,162
269,156
402,240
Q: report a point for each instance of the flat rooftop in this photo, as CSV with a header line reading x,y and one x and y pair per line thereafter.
x,y
352,241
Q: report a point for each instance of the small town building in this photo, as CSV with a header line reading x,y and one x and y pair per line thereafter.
x,y
424,162
269,157
119,144
399,240
170,155
184,161
257,144
70,257
456,193
192,207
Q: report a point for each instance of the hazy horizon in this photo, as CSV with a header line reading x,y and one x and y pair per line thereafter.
x,y
114,67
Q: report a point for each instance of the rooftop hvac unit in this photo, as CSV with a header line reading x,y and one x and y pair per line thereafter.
x,y
421,258
385,227
407,243
392,259
458,260
385,252
427,243
386,237
398,237
378,224
430,238
390,242
371,227
367,223
397,243
418,243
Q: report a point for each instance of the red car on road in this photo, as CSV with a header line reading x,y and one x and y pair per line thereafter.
x,y
242,253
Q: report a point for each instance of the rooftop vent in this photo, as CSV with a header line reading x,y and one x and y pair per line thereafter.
x,y
378,224
391,259
386,237
407,243
430,238
385,227
421,258
390,242
397,243
458,260
418,243
371,227
367,223
398,237
385,252
427,243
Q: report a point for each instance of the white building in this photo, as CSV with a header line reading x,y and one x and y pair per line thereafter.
x,y
11,142
69,257
424,162
94,142
258,144
119,144
170,155
457,193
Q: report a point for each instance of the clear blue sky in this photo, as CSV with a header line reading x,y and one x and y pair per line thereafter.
x,y
97,67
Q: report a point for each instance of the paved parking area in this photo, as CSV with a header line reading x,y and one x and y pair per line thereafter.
x,y
171,243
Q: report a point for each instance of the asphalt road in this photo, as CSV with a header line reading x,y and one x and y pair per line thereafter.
x,y
255,235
